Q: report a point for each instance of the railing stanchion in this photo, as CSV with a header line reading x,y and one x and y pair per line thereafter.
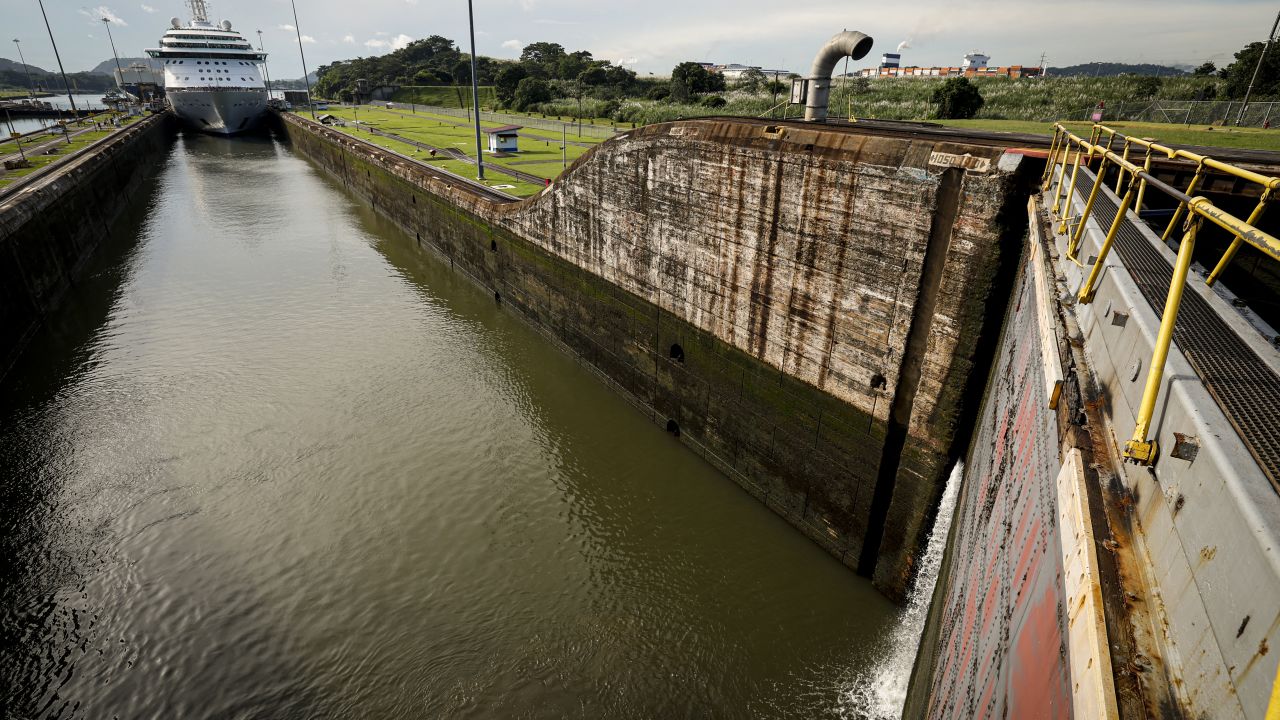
x,y
1090,286
1074,244
1191,192
1237,240
1140,449
1071,190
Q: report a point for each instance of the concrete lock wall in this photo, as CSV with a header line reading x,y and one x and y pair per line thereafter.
x,y
1018,626
50,229
826,290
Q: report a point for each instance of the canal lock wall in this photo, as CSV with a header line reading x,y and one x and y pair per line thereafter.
x,y
803,306
51,227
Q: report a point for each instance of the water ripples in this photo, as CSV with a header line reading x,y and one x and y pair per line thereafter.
x,y
295,469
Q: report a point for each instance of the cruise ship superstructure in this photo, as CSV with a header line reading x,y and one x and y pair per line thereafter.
x,y
213,76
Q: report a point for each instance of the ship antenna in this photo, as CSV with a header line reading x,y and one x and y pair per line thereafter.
x,y
199,13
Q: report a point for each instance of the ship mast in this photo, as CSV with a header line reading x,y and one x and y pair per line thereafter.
x,y
199,13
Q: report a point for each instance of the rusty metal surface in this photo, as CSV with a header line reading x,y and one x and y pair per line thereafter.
x,y
1244,386
1002,645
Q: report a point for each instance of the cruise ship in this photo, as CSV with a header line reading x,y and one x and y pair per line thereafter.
x,y
212,75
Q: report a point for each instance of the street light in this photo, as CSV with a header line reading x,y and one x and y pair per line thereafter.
x,y
1263,56
65,83
303,55
475,91
26,67
265,73
119,73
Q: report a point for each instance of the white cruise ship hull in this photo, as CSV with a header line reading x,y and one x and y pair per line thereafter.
x,y
223,112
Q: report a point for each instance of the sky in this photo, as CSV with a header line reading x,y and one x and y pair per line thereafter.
x,y
654,35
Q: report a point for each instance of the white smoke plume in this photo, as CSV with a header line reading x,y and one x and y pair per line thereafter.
x,y
904,45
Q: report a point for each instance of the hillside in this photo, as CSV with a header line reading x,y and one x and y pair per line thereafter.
x,y
15,66
108,66
1111,69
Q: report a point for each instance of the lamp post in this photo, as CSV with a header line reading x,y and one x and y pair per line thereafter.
x,y
26,67
266,74
116,56
65,84
1249,91
303,55
475,91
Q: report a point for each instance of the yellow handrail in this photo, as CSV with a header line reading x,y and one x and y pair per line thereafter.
x,y
1140,448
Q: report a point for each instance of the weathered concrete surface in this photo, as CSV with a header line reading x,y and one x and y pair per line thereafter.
x,y
789,264
50,229
1206,526
1020,624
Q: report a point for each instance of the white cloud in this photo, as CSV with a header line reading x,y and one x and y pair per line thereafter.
x,y
351,40
412,2
147,8
290,28
513,45
102,12
394,43
311,40
382,33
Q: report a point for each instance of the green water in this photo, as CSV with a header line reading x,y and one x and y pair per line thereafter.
x,y
271,461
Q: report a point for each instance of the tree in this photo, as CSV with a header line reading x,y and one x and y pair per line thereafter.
x,y
594,75
690,78
542,59
506,82
752,80
531,91
1240,72
1147,86
957,99
1207,69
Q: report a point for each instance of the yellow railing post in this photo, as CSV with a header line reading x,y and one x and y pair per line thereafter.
x,y
1191,192
1120,171
1062,175
1142,184
1086,292
1140,449
1074,244
1071,189
1237,241
1051,162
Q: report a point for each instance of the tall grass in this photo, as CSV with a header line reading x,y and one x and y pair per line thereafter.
x,y
1037,99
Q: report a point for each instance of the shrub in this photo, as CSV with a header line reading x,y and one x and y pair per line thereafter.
x,y
714,101
957,99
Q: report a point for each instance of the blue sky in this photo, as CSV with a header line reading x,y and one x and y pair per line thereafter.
x,y
653,36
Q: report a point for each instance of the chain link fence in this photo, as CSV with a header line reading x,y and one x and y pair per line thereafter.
x,y
571,129
1191,112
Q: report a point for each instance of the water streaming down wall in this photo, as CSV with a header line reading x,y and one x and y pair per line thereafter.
x,y
881,693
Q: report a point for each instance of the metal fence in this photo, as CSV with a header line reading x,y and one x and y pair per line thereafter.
x,y
1190,112
572,129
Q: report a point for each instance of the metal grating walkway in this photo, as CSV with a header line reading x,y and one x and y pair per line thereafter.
x,y
1245,388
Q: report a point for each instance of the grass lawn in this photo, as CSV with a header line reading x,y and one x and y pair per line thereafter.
x,y
537,156
40,160
457,167
11,94
1175,135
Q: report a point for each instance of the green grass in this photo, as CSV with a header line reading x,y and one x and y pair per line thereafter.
x,y
443,132
11,94
1229,137
450,96
39,160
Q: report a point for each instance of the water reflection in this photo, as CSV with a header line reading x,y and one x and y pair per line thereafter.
x,y
297,467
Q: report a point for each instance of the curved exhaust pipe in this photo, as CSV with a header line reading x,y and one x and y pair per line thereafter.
x,y
852,43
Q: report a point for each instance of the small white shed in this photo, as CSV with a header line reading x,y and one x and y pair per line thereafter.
x,y
503,139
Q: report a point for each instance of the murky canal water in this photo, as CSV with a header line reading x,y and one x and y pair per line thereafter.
x,y
273,462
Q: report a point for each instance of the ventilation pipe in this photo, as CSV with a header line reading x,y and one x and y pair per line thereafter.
x,y
854,44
